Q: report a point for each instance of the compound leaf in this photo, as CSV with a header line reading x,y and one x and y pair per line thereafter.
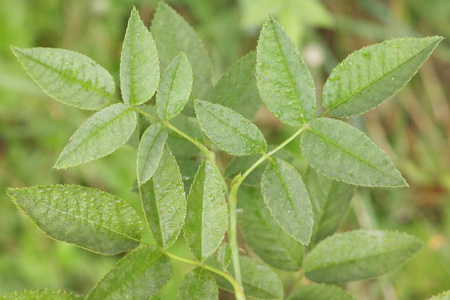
x,y
86,217
150,151
359,254
330,201
229,130
139,275
139,66
207,215
41,294
69,77
164,201
342,152
258,280
320,292
287,199
372,74
175,87
283,79
264,235
198,284
99,136
236,89
172,35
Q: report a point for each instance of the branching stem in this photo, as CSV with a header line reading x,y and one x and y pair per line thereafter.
x,y
237,287
231,194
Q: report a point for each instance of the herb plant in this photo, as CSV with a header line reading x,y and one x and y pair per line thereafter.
x,y
283,215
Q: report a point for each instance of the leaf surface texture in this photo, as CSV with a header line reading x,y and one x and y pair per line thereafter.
x,y
342,152
69,77
86,217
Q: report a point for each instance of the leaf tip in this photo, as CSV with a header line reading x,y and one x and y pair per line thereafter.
x,y
58,165
10,191
162,5
15,50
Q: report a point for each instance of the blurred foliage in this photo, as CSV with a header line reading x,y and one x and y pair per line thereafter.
x,y
413,127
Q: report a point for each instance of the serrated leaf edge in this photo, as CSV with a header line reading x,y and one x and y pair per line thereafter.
x,y
329,110
10,190
58,167
419,242
16,50
270,210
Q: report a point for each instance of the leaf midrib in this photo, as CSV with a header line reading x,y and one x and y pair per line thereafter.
x,y
130,276
235,130
151,147
378,79
82,83
291,76
97,132
172,82
356,259
283,184
84,219
350,153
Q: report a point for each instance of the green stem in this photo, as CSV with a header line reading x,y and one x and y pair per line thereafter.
x,y
235,184
208,153
240,178
210,156
142,112
237,286
232,235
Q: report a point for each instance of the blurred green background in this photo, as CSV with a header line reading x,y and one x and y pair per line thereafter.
x,y
413,127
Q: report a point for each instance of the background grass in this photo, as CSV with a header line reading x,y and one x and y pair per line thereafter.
x,y
413,127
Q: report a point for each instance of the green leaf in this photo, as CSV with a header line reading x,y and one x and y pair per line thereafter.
x,y
86,217
150,151
198,284
139,275
258,280
342,152
229,130
175,87
69,77
99,136
372,74
359,254
164,201
319,292
442,296
221,258
263,234
139,65
237,90
207,214
224,255
41,294
188,169
287,199
283,79
330,201
172,35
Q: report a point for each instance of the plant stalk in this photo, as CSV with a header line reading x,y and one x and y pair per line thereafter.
x,y
239,293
